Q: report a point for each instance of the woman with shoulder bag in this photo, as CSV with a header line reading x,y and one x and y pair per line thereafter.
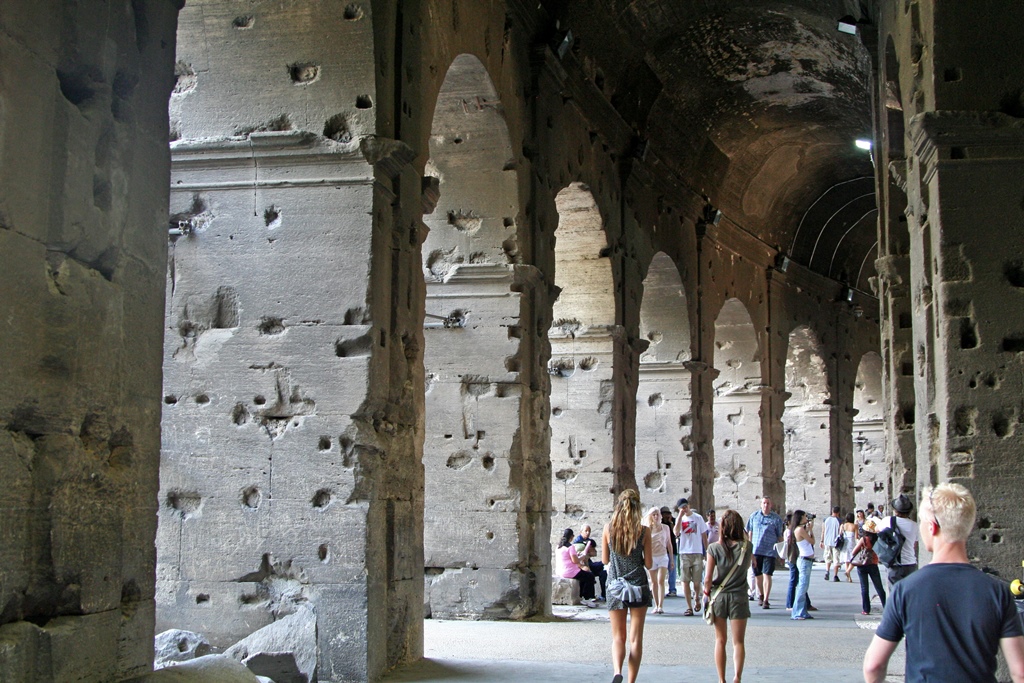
x,y
626,552
725,590
863,557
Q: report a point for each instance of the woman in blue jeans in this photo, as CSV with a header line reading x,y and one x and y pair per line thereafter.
x,y
800,548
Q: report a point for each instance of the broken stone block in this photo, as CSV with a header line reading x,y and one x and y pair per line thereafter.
x,y
176,645
208,669
565,591
284,651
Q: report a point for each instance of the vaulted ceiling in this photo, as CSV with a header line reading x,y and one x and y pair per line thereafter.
x,y
755,105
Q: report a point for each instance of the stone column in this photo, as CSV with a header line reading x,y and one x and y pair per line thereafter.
x,y
702,380
291,475
84,168
967,171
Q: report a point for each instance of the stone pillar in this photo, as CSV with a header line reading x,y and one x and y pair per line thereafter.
x,y
84,168
841,458
898,403
773,405
290,462
967,170
702,380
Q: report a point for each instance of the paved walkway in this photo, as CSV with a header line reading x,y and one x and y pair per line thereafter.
x,y
573,647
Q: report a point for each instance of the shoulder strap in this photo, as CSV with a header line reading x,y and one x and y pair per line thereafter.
x,y
732,571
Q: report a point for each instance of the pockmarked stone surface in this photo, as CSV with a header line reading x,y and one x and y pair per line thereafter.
x,y
354,307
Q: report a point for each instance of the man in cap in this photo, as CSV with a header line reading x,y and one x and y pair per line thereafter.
x,y
692,532
948,638
907,562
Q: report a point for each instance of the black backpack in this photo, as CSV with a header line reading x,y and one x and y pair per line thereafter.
x,y
889,545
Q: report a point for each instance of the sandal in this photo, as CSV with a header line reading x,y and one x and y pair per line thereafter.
x,y
688,612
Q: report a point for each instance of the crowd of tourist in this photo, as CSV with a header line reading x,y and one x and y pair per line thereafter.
x,y
726,565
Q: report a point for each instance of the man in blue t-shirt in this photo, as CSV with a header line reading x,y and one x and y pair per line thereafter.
x,y
764,529
953,616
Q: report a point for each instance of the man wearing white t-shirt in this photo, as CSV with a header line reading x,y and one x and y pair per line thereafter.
x,y
692,532
907,564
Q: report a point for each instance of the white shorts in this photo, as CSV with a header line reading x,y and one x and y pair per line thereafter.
x,y
659,563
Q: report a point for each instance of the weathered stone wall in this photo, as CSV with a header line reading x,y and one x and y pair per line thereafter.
x,y
83,171
287,378
963,153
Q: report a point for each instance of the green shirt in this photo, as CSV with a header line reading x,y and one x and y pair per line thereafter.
x,y
738,580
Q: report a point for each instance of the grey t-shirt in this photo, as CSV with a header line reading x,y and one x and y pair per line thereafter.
x,y
953,617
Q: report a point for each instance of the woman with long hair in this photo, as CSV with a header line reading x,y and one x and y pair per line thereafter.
x,y
626,552
729,587
867,566
572,566
800,549
661,556
850,537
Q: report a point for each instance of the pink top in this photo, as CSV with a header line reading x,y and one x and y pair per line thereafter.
x,y
660,542
567,567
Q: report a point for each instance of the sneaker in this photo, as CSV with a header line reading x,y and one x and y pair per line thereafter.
x,y
751,597
670,594
826,577
588,603
836,579
600,599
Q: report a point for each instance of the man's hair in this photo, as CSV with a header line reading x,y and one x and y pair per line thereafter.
x,y
836,510
681,502
953,507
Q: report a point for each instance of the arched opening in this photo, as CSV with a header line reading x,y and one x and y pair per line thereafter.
x,y
476,544
737,421
870,471
581,365
806,422
664,419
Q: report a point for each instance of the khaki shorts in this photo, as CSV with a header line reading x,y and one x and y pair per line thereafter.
x,y
832,554
732,606
691,568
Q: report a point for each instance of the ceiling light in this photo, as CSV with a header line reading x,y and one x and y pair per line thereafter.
x,y
862,143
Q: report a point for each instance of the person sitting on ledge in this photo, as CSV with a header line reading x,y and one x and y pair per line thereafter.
x,y
588,551
572,566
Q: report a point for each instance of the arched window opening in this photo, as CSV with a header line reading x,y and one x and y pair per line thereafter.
x,y
869,468
664,418
581,365
806,424
476,543
737,423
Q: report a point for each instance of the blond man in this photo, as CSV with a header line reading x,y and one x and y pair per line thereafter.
x,y
948,638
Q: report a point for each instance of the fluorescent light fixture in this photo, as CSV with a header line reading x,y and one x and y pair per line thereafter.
x,y
862,143
847,27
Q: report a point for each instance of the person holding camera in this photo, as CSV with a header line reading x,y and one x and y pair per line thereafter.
x,y
800,549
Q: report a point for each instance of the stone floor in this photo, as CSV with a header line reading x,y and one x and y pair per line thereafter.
x,y
574,644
